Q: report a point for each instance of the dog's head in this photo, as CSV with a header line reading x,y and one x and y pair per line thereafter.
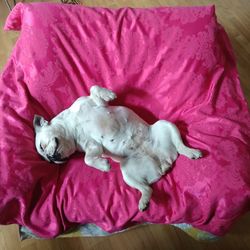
x,y
52,141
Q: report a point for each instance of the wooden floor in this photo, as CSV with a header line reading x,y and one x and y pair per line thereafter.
x,y
235,17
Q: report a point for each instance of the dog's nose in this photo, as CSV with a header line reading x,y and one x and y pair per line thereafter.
x,y
54,157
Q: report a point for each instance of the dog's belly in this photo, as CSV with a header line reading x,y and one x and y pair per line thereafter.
x,y
118,129
129,140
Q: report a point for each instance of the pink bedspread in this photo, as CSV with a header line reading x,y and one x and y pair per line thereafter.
x,y
164,63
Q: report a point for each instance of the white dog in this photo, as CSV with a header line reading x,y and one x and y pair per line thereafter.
x,y
144,151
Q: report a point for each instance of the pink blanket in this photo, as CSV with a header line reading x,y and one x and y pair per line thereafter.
x,y
164,63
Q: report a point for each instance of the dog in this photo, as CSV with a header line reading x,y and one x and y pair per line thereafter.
x,y
145,152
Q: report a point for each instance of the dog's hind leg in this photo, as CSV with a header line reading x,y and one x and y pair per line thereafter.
x,y
177,140
101,96
139,172
182,149
144,188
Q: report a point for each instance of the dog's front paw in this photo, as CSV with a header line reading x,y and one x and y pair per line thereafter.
x,y
165,166
107,95
104,165
102,93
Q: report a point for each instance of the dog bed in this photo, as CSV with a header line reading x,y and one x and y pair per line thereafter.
x,y
173,63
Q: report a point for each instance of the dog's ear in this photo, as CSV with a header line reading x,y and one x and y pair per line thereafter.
x,y
39,122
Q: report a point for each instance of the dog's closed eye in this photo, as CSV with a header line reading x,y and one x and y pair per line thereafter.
x,y
57,144
41,147
57,141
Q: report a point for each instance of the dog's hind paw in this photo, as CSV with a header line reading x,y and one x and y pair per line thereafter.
x,y
194,154
143,205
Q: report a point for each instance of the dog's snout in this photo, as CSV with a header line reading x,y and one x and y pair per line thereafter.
x,y
54,157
